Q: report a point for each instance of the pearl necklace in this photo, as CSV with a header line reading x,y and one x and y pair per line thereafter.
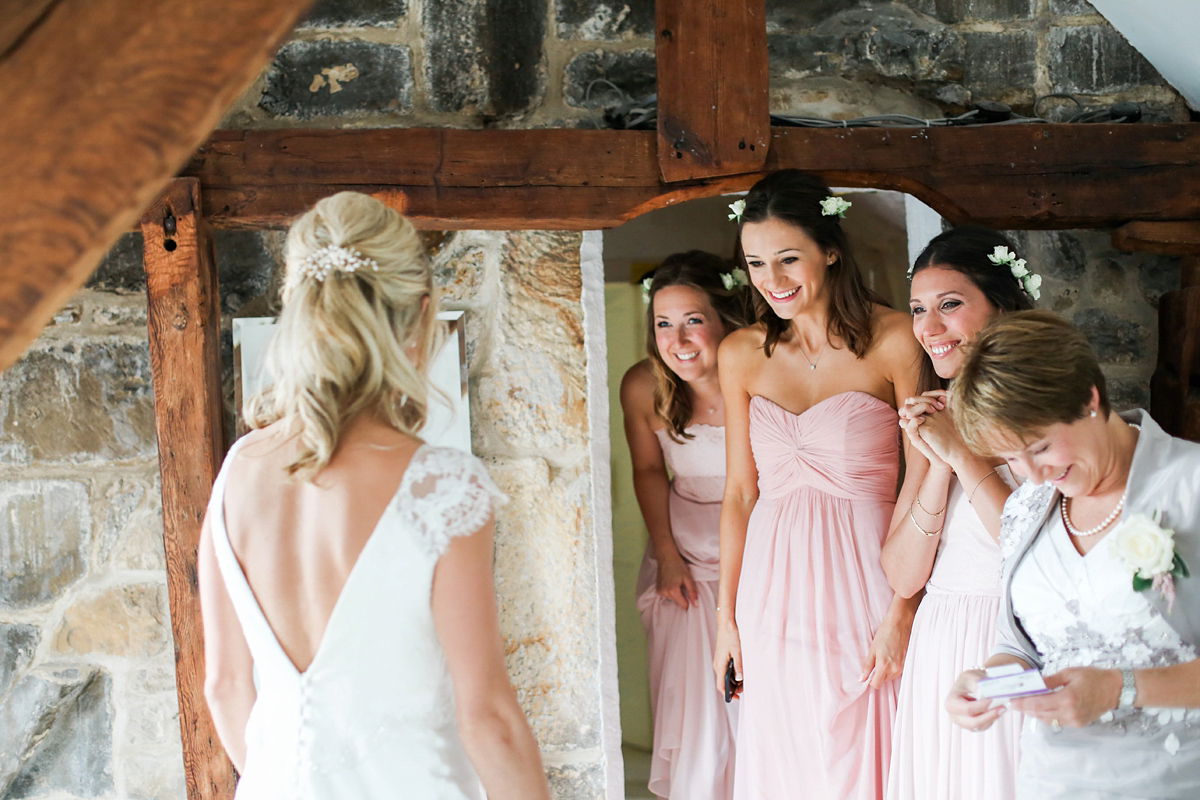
x,y
1062,507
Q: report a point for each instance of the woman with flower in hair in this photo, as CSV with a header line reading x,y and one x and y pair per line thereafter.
x,y
944,529
352,647
674,418
1097,596
805,612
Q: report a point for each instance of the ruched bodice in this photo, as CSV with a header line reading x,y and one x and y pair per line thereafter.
x,y
846,446
810,597
697,464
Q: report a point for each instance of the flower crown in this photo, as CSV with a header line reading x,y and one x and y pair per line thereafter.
x,y
829,207
330,258
730,280
1030,282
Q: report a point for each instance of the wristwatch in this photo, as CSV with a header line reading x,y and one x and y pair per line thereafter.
x,y
1128,689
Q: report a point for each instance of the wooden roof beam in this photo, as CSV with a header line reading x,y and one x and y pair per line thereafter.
x,y
103,103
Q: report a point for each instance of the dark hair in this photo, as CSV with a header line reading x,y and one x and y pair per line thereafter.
x,y
795,198
966,249
701,271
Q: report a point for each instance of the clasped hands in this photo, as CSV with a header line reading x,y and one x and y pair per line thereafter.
x,y
1083,695
927,424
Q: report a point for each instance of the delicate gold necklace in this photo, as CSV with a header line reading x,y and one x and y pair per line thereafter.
x,y
813,364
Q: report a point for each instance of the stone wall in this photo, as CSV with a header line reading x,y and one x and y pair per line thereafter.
x,y
87,703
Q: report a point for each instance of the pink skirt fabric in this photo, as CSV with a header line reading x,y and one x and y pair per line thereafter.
x,y
812,594
694,729
932,758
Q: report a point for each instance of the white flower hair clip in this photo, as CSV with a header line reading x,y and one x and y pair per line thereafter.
x,y
738,207
333,257
735,277
647,282
834,205
1030,282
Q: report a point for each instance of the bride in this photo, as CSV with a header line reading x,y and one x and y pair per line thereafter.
x,y
351,637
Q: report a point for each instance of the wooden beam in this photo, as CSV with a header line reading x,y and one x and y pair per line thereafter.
x,y
713,112
18,17
1009,177
1178,238
103,103
185,357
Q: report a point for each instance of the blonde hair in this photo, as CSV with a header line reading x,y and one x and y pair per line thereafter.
x,y
349,343
1024,372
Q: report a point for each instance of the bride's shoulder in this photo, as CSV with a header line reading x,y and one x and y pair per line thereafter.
x,y
447,493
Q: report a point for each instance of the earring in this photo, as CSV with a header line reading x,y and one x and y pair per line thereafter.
x,y
1093,412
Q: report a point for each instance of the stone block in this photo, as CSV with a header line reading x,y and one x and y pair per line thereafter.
x,y
1000,66
114,310
17,643
355,14
244,267
78,402
1156,275
69,314
1108,281
484,55
1115,340
791,17
130,621
121,268
45,537
604,20
56,736
149,751
601,78
953,11
545,582
331,78
1127,393
1069,8
1096,59
577,781
128,514
460,268
529,395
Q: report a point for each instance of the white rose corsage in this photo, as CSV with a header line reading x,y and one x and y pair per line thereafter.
x,y
834,206
1148,549
647,282
1031,283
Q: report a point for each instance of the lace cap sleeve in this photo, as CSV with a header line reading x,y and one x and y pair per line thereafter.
x,y
447,493
1024,507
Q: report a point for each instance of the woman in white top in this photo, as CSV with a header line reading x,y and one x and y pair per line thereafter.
x,y
1097,593
352,646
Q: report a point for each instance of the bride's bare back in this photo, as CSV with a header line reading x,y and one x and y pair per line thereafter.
x,y
297,541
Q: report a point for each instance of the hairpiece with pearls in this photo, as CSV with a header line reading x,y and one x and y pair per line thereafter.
x,y
333,258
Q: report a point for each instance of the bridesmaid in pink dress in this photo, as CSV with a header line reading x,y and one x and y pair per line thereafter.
x,y
805,611
944,533
674,417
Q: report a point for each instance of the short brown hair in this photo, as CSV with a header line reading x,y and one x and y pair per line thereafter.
x,y
1023,373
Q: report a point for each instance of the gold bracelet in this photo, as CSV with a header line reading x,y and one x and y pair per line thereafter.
x,y
971,496
927,511
918,526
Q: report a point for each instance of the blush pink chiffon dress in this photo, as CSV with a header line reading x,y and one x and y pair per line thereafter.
x,y
694,728
811,595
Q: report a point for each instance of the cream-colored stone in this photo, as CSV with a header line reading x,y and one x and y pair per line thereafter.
x,y
149,747
45,537
545,579
130,621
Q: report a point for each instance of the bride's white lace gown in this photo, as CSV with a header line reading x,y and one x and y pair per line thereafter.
x,y
373,715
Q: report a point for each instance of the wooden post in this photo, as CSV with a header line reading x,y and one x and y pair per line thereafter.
x,y
184,321
713,112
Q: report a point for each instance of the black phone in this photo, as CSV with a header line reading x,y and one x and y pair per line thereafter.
x,y
732,684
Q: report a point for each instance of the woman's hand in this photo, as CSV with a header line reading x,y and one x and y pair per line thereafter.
x,y
675,581
938,433
729,645
1086,693
885,657
968,712
914,414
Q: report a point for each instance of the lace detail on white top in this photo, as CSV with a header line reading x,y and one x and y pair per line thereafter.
x,y
446,493
1023,510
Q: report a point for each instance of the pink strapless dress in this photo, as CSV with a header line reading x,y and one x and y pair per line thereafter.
x,y
693,727
811,595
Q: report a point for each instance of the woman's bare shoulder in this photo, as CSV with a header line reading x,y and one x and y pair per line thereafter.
x,y
637,387
893,330
744,340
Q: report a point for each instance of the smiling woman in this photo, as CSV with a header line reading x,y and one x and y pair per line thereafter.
x,y
674,417
806,614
